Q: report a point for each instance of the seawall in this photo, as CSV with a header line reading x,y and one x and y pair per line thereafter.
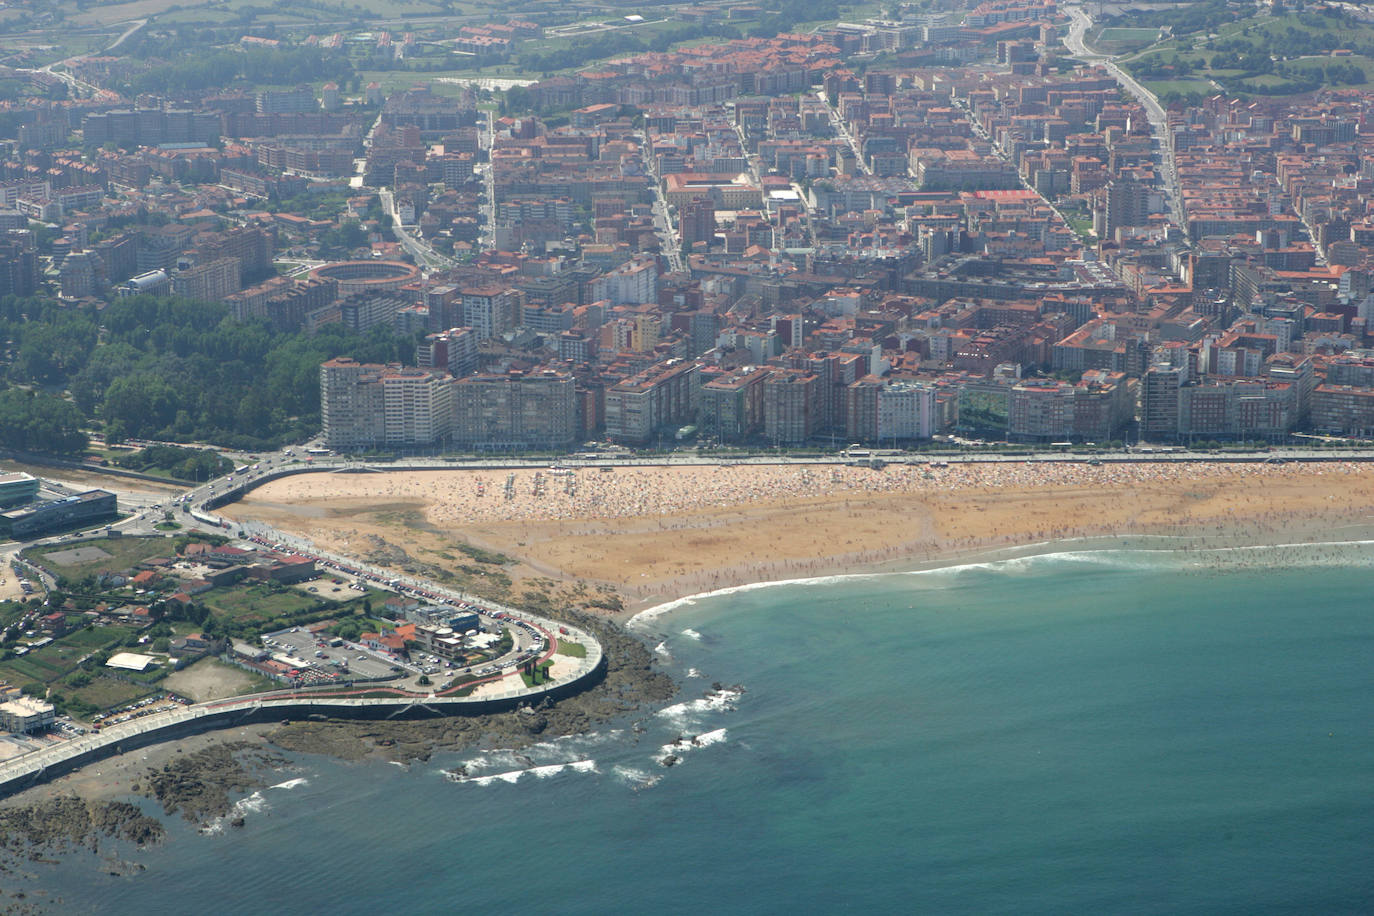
x,y
37,766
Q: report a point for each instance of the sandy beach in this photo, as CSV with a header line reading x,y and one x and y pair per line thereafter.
x,y
659,533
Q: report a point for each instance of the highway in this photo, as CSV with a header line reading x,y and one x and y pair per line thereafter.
x,y
1154,111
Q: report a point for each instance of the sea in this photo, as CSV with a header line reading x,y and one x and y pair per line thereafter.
x,y
1118,731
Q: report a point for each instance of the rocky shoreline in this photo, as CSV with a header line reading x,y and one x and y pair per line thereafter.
x,y
630,683
202,784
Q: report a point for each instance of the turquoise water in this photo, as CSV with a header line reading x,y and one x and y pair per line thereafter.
x,y
1118,733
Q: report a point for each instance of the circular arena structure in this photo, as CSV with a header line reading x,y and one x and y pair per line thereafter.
x,y
357,277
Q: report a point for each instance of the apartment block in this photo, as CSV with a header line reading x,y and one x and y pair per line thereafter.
x,y
515,412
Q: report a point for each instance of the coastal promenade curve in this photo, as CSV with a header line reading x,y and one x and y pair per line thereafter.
x,y
25,770
327,702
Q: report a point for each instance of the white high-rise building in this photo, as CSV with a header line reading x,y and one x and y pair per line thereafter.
x,y
364,406
906,410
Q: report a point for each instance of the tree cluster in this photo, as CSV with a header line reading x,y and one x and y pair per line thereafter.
x,y
179,462
171,369
34,422
256,66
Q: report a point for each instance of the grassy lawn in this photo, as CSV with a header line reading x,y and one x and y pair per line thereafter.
x,y
541,678
20,671
107,692
572,649
1128,34
1180,86
1264,34
124,553
95,637
257,601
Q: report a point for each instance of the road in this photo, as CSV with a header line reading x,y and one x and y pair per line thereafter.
x,y
488,232
843,132
133,27
423,253
669,239
75,86
1001,154
1154,111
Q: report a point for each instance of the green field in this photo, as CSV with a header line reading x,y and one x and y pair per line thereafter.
x,y
1128,34
1182,87
107,692
257,602
219,12
124,553
96,637
1260,54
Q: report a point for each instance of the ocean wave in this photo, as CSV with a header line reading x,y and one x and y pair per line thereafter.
x,y
691,634
662,649
692,672
1174,552
253,804
670,753
291,783
514,776
635,777
571,745
690,712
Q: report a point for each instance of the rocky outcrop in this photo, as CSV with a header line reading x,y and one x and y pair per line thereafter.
x,y
201,785
63,823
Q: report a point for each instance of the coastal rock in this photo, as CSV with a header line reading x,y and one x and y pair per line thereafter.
x,y
66,822
670,761
201,784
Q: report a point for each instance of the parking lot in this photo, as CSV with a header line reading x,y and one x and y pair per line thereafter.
x,y
344,662
334,590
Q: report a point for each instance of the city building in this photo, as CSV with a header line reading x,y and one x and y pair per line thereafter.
x,y
17,488
58,514
24,715
515,412
367,406
654,402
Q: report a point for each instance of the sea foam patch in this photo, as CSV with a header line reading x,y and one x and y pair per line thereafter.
x,y
514,776
691,712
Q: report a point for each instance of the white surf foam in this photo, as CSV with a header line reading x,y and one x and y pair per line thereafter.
x,y
691,634
635,777
1178,550
689,712
709,738
291,783
539,772
253,804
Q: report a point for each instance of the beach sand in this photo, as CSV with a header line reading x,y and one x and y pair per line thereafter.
x,y
654,534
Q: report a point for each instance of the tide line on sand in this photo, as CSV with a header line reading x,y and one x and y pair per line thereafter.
x,y
1183,551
